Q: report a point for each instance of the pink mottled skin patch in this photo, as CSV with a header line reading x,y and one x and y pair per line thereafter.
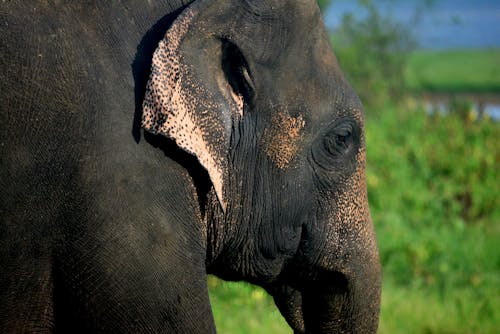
x,y
179,107
282,139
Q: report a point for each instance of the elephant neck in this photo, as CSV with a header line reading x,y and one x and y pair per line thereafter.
x,y
241,240
225,229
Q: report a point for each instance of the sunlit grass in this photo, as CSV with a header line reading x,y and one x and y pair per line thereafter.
x,y
455,71
240,308
427,311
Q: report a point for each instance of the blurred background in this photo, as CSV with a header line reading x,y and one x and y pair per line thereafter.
x,y
428,74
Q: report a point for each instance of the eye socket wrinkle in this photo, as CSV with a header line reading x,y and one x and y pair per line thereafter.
x,y
338,143
341,137
333,154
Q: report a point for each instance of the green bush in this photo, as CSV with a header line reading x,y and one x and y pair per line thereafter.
x,y
373,50
434,194
433,184
323,4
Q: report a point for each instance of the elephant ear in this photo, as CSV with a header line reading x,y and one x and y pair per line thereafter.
x,y
188,97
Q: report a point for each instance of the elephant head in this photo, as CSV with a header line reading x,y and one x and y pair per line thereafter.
x,y
254,92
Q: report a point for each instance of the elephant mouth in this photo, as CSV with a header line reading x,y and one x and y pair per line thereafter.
x,y
306,279
329,292
297,291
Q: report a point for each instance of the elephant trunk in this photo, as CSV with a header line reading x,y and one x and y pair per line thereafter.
x,y
338,295
346,304
345,296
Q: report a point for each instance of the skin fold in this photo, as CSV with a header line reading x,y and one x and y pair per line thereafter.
x,y
145,145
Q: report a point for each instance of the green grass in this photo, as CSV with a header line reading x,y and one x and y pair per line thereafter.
x,y
449,300
454,71
240,308
243,309
435,200
423,311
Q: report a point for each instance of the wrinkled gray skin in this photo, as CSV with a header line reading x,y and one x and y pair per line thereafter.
x,y
108,228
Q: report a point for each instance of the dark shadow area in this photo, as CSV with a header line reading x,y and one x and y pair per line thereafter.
x,y
141,66
200,176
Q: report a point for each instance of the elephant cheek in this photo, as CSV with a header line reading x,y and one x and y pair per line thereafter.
x,y
282,139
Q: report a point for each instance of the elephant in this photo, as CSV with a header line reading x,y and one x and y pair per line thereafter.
x,y
147,144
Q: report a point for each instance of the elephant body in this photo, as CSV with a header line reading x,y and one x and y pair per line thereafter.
x,y
108,228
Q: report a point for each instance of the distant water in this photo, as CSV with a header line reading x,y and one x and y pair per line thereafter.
x,y
490,109
448,24
494,111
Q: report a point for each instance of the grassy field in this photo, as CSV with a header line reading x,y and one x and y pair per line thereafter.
x,y
435,200
240,308
454,71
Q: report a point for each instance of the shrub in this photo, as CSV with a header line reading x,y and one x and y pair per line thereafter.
x,y
434,195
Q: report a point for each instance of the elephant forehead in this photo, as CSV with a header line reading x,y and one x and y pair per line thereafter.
x,y
282,139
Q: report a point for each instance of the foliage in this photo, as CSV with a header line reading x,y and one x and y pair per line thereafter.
x,y
323,4
433,190
373,51
454,71
435,202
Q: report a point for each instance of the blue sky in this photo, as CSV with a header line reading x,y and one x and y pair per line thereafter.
x,y
448,24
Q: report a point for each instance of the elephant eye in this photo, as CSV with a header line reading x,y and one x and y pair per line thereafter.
x,y
333,154
340,139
